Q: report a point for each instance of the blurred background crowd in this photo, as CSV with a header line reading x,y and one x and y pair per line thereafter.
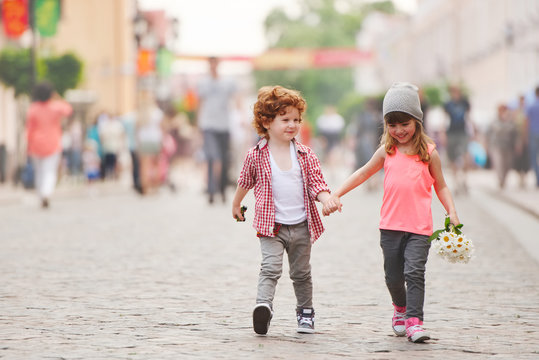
x,y
126,103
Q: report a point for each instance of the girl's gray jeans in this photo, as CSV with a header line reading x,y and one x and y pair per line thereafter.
x,y
405,257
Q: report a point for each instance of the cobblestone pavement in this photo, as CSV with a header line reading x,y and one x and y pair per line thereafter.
x,y
170,277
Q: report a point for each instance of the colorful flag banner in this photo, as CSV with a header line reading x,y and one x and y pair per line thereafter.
x,y
299,58
15,17
47,14
164,60
145,61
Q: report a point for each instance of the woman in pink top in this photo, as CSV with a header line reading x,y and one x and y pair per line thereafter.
x,y
411,167
44,134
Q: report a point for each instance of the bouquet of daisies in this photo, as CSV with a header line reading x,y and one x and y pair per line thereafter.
x,y
451,244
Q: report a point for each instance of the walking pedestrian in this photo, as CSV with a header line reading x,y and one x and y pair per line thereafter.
x,y
129,122
91,161
411,167
149,135
457,135
330,126
44,136
522,154
287,179
533,134
367,132
74,131
215,95
112,135
501,135
92,133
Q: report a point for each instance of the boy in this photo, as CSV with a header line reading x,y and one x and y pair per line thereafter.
x,y
287,179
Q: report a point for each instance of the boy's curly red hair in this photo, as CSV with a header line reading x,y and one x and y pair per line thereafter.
x,y
272,101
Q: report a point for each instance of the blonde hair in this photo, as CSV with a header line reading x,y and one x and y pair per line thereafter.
x,y
273,101
420,140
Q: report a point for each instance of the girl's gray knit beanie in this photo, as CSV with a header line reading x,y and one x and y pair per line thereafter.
x,y
403,97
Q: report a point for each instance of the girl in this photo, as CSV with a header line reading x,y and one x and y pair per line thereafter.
x,y
411,166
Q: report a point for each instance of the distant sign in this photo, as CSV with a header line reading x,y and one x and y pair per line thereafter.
x,y
283,59
298,58
275,59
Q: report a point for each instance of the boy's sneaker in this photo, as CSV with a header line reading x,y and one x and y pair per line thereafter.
x,y
398,322
305,320
415,331
262,315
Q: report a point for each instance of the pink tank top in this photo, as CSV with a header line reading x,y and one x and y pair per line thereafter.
x,y
407,198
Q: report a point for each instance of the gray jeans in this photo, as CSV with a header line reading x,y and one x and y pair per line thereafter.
x,y
405,257
296,240
217,150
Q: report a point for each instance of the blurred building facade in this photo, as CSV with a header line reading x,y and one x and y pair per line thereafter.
x,y
8,129
490,46
102,34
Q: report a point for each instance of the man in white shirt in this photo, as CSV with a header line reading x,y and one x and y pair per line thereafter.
x,y
215,96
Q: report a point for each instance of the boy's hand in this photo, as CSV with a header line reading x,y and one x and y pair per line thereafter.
x,y
331,205
238,212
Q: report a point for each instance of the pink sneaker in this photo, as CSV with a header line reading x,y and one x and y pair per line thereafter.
x,y
415,331
399,327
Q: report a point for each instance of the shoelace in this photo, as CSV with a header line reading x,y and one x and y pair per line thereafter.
x,y
398,316
306,320
415,328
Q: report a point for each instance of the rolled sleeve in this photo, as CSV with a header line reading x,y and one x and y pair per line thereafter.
x,y
317,184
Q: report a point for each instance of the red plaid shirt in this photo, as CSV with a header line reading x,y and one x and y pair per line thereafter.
x,y
256,173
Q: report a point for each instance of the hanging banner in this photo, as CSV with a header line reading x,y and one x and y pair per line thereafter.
x,y
145,61
299,58
15,17
47,14
164,61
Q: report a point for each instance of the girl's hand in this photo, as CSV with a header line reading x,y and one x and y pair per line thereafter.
x,y
454,219
331,205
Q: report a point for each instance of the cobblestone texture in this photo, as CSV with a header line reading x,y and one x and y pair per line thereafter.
x,y
169,277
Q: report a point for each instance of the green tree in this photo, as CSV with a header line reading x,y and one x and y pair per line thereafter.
x,y
64,71
321,23
16,70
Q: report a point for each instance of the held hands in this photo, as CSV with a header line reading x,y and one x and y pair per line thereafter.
x,y
331,205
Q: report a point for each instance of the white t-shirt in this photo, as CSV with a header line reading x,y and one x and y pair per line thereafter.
x,y
287,187
330,123
215,96
149,130
112,136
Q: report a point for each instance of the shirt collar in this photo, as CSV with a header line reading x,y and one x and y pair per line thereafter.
x,y
299,146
